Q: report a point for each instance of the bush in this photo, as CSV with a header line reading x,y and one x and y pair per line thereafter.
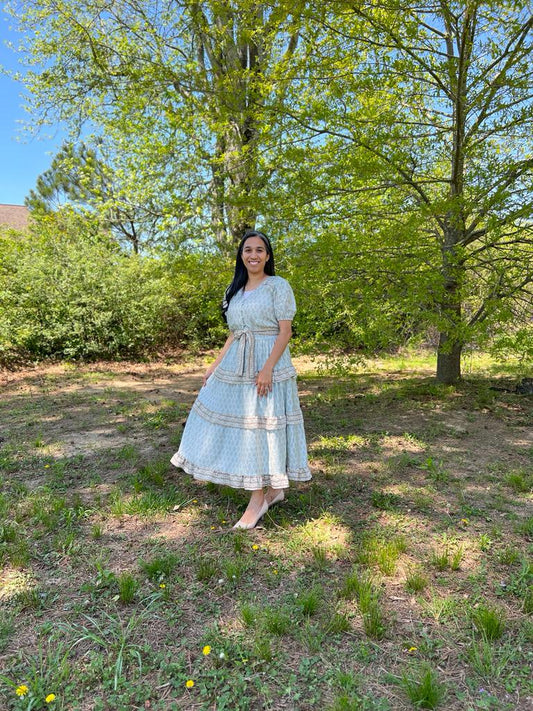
x,y
68,291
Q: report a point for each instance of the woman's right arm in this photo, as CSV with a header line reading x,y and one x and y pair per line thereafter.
x,y
219,357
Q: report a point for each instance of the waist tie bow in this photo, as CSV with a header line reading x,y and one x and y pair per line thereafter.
x,y
246,349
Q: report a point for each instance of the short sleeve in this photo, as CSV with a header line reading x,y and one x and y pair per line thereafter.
x,y
284,302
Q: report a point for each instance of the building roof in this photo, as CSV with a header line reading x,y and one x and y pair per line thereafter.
x,y
16,216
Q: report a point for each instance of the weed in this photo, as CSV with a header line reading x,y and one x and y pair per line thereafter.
x,y
309,601
160,567
127,588
30,598
440,607
489,621
416,581
240,541
115,637
525,527
436,471
373,621
97,531
313,637
153,473
337,623
249,615
352,585
234,569
401,462
527,607
7,627
46,671
263,649
488,661
319,557
520,481
442,560
206,568
457,557
385,500
423,688
508,556
276,621
381,552
128,453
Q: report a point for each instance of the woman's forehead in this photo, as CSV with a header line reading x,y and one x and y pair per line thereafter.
x,y
253,242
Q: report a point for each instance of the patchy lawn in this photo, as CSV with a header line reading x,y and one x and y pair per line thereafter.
x,y
399,578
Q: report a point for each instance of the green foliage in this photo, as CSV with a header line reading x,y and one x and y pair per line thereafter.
x,y
161,566
489,621
67,291
127,587
423,688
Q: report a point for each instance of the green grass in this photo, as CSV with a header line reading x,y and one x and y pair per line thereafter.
x,y
423,688
118,569
489,621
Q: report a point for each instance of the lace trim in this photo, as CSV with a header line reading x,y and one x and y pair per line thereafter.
x,y
228,376
236,481
250,422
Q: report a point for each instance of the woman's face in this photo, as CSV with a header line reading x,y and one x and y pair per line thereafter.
x,y
254,255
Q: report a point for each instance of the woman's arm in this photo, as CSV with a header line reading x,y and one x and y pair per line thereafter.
x,y
219,357
264,377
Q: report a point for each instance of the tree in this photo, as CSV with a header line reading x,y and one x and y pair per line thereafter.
x,y
80,176
179,88
428,109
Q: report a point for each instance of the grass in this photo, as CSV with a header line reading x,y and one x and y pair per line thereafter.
x,y
406,561
423,688
489,621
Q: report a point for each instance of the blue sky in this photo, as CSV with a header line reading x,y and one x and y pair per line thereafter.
x,y
22,158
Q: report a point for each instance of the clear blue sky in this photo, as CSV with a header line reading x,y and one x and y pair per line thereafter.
x,y
22,158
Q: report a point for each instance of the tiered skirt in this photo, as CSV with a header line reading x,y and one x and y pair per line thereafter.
x,y
234,437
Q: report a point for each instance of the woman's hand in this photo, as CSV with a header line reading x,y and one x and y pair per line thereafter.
x,y
264,381
209,373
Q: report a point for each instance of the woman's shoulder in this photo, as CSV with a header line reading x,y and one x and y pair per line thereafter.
x,y
279,282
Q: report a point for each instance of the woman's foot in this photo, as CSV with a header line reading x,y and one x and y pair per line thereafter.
x,y
256,509
274,496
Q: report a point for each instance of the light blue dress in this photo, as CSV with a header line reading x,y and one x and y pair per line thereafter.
x,y
233,436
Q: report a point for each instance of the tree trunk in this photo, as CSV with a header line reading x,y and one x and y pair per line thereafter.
x,y
448,360
451,337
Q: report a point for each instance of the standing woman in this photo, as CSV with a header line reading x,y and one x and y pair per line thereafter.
x,y
245,429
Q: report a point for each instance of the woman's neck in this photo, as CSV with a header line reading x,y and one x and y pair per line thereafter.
x,y
254,280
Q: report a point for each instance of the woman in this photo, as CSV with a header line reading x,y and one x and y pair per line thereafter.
x,y
245,429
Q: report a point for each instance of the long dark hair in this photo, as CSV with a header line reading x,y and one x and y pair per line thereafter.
x,y
240,276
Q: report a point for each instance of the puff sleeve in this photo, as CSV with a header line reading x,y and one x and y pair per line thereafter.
x,y
284,302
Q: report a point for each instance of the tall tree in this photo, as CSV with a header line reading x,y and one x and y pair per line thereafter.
x,y
85,178
179,87
429,109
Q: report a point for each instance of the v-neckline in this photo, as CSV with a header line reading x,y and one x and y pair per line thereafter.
x,y
250,291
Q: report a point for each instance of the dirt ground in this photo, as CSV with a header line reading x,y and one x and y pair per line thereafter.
x,y
396,460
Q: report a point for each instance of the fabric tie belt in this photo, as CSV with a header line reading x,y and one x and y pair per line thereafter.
x,y
246,350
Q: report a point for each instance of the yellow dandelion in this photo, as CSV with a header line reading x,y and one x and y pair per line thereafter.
x,y
162,586
275,572
412,649
195,501
50,698
21,690
189,683
206,650
47,466
465,521
255,547
213,528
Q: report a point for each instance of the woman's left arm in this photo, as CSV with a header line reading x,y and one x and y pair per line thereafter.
x,y
264,377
